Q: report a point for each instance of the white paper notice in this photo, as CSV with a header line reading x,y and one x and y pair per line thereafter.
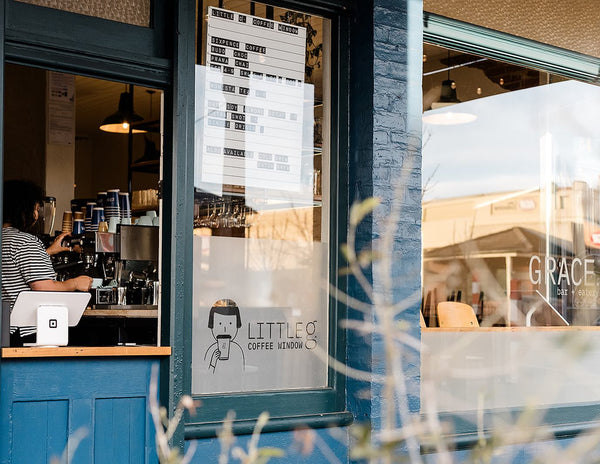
x,y
254,113
61,108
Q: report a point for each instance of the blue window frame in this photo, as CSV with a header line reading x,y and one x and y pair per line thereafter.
x,y
288,409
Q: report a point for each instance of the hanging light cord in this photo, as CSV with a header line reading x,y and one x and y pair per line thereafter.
x,y
437,71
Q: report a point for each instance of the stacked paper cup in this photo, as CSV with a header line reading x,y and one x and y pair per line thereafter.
x,y
97,218
79,214
88,214
67,224
124,204
111,206
101,199
78,227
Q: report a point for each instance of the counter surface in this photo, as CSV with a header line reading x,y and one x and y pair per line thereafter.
x,y
85,351
123,311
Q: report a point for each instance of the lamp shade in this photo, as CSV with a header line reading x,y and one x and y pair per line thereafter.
x,y
119,122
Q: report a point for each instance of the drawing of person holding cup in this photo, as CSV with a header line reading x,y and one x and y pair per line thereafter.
x,y
225,354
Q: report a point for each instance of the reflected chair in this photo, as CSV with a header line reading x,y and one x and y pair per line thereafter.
x,y
455,314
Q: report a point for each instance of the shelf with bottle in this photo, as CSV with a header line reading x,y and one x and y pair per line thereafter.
x,y
144,200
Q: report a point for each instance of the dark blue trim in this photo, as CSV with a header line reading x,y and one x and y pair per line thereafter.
x,y
478,40
562,421
325,8
2,20
178,197
83,64
276,403
69,42
339,202
275,424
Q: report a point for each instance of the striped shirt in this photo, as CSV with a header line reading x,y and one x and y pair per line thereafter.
x,y
24,260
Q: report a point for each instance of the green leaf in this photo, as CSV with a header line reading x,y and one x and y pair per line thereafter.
x,y
344,271
366,257
360,210
344,250
271,452
265,454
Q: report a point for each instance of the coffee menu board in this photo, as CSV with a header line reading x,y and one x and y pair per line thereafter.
x,y
255,117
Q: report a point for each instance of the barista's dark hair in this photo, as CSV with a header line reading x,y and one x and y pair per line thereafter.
x,y
19,200
225,308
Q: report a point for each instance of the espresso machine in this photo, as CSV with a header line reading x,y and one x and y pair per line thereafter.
x,y
125,287
123,266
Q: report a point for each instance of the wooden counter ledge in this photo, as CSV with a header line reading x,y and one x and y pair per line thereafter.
x,y
85,351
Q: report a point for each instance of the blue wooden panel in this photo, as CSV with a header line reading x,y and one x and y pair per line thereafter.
x,y
57,427
119,430
103,430
137,429
81,423
43,403
39,431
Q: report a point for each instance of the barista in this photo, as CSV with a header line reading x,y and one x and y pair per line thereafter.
x,y
26,264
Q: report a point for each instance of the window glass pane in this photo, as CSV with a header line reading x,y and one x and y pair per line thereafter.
x,y
511,231
136,12
261,203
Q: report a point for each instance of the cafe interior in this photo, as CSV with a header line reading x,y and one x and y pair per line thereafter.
x,y
91,143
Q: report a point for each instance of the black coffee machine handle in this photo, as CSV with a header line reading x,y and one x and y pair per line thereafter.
x,y
62,267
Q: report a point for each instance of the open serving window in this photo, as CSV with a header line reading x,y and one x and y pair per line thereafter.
x,y
94,147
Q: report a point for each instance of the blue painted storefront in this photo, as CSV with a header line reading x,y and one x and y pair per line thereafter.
x,y
45,401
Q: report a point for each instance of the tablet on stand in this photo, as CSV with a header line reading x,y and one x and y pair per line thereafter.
x,y
51,312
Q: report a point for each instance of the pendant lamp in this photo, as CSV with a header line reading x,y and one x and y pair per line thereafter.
x,y
448,93
120,121
447,98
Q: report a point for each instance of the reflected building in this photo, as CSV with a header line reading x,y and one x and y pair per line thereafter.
x,y
507,197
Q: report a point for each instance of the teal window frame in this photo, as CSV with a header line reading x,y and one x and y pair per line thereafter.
x,y
565,421
288,409
52,39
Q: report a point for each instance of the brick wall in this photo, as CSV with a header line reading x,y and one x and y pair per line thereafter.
x,y
385,162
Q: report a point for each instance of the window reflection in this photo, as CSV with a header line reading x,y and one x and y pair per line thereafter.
x,y
511,190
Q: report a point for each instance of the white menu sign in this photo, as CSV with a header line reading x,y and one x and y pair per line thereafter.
x,y
255,108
